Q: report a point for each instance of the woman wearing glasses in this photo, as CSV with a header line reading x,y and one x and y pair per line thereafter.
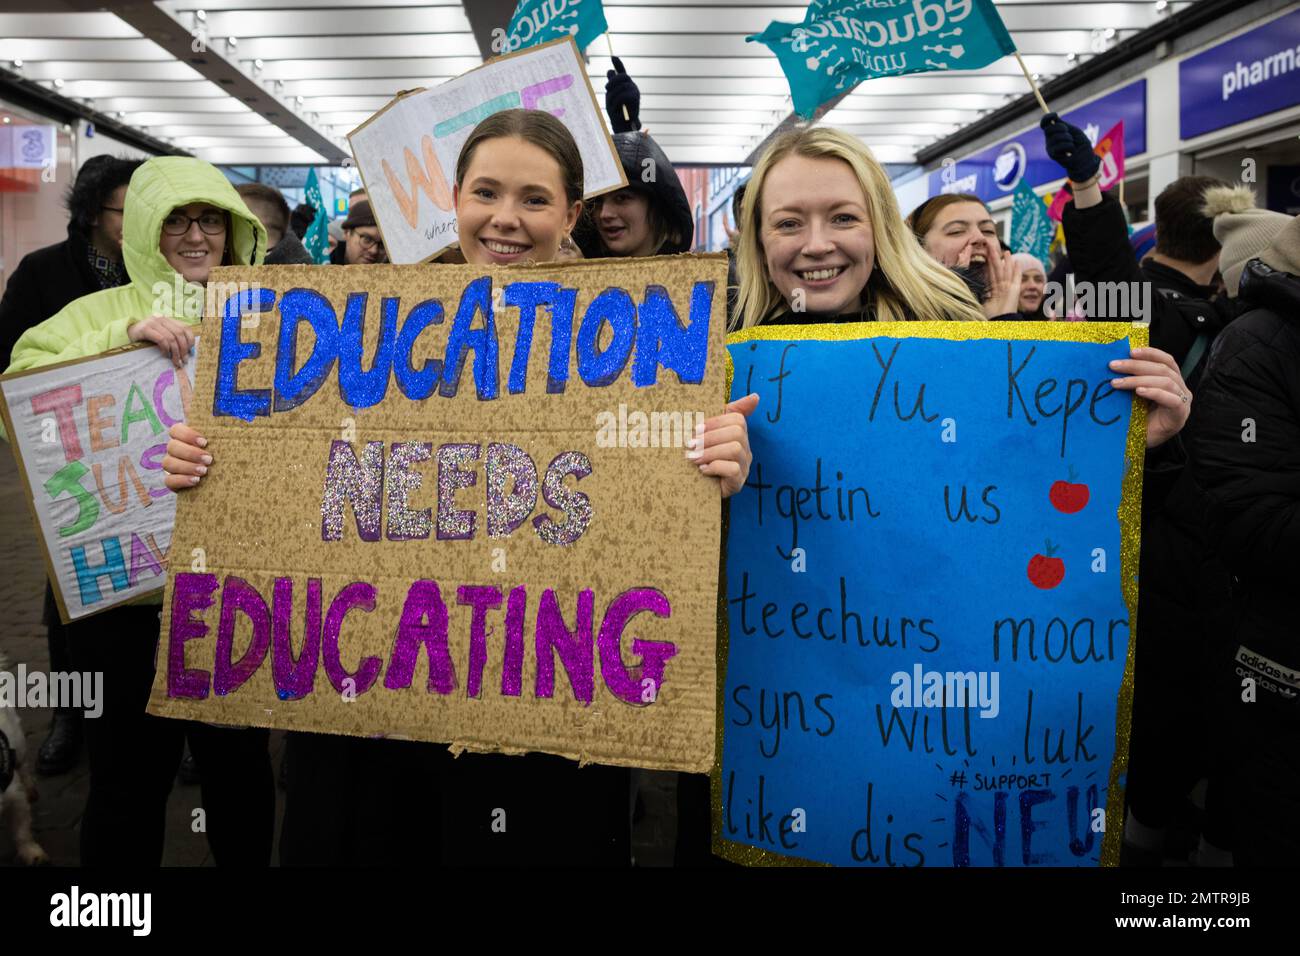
x,y
181,219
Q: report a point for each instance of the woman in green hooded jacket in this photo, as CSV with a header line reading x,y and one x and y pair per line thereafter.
x,y
181,219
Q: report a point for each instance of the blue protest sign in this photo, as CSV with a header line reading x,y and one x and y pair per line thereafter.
x,y
1250,75
840,43
930,578
537,21
1032,228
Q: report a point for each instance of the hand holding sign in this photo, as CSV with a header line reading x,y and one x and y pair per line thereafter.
x,y
1154,375
173,337
722,448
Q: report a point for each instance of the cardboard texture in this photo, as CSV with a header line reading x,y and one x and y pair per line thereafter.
x,y
928,655
90,436
263,514
406,153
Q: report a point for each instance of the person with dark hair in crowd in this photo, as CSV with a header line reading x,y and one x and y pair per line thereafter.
x,y
1182,593
45,281
268,205
301,218
651,215
1245,461
362,244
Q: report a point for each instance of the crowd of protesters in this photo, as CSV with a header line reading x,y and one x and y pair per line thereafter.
x,y
819,237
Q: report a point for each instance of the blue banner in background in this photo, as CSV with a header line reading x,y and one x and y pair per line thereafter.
x,y
888,556
540,21
995,172
840,43
1248,76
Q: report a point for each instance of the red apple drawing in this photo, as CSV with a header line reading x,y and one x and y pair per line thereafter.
x,y
1068,497
1045,571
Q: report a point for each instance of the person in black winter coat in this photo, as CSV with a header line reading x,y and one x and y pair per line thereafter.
x,y
46,280
1180,592
90,258
651,215
1245,460
1185,310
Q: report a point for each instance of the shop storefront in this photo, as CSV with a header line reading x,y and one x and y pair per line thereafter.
x,y
1237,110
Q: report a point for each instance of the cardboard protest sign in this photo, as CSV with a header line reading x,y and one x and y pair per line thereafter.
x,y
407,152
90,436
931,582
452,503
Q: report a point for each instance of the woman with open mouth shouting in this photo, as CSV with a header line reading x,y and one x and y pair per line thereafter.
x,y
957,230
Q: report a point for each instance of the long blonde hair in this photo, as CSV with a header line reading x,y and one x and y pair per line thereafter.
x,y
905,283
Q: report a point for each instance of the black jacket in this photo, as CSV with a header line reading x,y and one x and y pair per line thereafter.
x,y
289,251
44,282
1245,459
1181,310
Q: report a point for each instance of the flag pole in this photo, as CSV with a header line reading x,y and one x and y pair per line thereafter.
x,y
611,56
1032,85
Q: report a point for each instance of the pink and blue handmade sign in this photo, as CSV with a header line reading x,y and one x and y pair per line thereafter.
x,y
90,436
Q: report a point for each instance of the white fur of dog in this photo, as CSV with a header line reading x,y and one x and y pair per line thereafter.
x,y
16,799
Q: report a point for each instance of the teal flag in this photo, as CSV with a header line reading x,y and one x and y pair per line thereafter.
x,y
843,42
538,21
317,241
1032,228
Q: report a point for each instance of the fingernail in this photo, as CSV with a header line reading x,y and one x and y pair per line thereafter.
x,y
201,442
692,442
1116,381
699,429
694,454
194,479
702,467
206,459
201,469
1116,363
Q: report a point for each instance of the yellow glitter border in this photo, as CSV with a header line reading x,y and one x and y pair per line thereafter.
x,y
1130,523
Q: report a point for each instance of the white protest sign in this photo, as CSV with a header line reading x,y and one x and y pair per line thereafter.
x,y
90,436
407,151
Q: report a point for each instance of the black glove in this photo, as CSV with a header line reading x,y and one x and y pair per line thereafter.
x,y
1069,146
622,96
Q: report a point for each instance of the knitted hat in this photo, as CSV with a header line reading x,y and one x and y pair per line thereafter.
x,y
1243,230
1026,261
359,215
1284,254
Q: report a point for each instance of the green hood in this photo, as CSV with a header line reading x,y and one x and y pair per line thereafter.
x,y
158,187
98,322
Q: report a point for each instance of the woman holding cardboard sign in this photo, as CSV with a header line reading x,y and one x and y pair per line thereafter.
x,y
518,194
182,218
